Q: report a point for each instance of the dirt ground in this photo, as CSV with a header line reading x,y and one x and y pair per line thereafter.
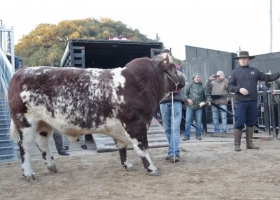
x,y
205,171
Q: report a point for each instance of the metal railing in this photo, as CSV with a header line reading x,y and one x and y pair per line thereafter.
x,y
268,117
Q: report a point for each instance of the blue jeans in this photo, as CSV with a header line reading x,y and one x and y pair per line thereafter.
x,y
246,112
173,137
189,117
216,114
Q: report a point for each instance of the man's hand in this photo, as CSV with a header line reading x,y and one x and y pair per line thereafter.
x,y
243,91
211,78
190,102
202,104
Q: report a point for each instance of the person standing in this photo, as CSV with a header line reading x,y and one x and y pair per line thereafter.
x,y
58,140
197,96
218,85
173,133
82,140
243,82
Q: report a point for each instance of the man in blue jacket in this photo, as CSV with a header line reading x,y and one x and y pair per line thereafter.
x,y
243,82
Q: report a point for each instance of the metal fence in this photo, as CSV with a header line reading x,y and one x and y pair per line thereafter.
x,y
268,115
7,148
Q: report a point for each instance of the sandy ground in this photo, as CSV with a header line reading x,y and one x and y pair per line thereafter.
x,y
207,170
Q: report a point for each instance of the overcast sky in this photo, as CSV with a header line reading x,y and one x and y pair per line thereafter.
x,y
216,24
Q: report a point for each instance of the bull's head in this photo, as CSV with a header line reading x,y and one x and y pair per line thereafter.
x,y
174,79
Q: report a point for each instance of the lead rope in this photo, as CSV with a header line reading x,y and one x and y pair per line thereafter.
x,y
173,128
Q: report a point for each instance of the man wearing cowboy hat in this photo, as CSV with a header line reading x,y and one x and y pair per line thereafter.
x,y
243,82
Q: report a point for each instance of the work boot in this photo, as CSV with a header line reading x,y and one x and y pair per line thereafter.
x,y
63,153
174,159
186,138
249,138
237,139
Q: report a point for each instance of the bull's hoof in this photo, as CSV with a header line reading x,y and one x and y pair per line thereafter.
x,y
154,173
52,168
131,169
30,177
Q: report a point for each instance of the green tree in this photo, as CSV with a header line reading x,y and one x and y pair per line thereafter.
x,y
44,46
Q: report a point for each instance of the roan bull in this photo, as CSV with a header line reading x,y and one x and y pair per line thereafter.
x,y
119,103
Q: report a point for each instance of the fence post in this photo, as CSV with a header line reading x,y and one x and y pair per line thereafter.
x,y
272,121
278,118
266,112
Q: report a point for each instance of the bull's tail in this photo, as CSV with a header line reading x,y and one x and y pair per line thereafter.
x,y
14,134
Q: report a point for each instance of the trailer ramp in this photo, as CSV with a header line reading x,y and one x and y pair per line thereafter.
x,y
156,139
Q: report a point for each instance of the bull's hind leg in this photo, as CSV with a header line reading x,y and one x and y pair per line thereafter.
x,y
25,146
44,133
122,150
24,135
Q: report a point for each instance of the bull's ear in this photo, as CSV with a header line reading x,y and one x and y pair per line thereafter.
x,y
165,64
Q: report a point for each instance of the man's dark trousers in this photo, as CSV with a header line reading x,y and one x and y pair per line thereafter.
x,y
246,112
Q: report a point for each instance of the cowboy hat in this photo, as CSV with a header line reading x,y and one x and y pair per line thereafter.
x,y
244,54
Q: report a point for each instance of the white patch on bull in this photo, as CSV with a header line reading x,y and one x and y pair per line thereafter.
x,y
43,143
25,96
127,164
118,77
118,80
14,134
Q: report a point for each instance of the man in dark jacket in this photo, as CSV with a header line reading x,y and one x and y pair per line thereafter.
x,y
197,96
243,82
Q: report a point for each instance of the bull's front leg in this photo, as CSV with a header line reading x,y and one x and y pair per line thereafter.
x,y
141,147
123,155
